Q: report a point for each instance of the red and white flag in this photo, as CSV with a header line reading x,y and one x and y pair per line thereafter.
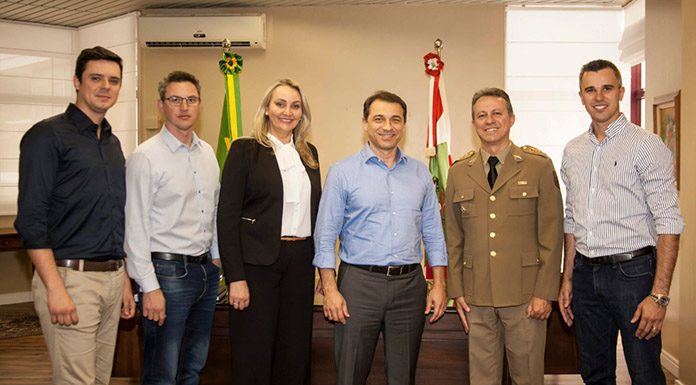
x,y
438,141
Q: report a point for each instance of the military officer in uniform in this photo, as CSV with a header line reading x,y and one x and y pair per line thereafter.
x,y
504,232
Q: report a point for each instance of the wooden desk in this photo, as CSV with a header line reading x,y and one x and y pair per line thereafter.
x,y
443,357
10,240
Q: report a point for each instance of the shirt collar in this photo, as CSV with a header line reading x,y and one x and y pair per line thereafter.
x,y
173,143
278,144
368,155
614,128
84,123
501,155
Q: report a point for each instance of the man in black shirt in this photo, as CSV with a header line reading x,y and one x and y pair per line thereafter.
x,y
71,219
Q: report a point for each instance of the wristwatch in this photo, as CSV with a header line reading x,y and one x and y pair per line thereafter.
x,y
660,299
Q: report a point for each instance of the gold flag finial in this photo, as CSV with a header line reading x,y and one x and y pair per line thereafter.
x,y
438,46
226,45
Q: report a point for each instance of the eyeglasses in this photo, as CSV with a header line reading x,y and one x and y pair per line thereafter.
x,y
177,100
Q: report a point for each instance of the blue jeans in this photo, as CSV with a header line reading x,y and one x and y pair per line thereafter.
x,y
604,300
175,353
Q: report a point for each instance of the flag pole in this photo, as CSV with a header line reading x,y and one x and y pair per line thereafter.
x,y
438,128
231,121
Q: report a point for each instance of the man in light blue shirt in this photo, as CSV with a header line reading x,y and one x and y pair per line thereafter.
x,y
380,204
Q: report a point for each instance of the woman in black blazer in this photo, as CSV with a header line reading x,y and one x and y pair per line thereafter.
x,y
269,197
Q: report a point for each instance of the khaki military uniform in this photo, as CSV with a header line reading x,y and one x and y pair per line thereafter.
x,y
504,246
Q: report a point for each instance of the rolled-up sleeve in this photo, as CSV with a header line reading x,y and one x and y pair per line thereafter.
x,y
656,169
39,161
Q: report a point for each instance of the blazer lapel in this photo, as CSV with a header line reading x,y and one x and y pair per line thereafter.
x,y
476,172
271,162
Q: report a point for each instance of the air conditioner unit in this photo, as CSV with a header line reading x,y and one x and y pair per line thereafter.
x,y
186,31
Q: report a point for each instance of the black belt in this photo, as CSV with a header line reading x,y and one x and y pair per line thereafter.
x,y
202,259
90,265
389,270
618,257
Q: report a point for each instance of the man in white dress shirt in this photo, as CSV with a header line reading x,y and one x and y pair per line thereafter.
x,y
172,192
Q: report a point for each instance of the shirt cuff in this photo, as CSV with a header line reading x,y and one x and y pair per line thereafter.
x,y
671,228
437,259
149,284
325,261
214,253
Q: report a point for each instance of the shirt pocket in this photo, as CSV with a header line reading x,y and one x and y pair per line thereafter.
x,y
464,199
523,200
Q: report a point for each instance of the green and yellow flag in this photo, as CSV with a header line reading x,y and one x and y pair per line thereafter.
x,y
231,122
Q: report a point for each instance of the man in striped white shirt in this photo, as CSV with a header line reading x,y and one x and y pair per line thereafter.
x,y
622,230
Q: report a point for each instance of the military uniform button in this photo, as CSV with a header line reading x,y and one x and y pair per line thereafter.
x,y
492,198
524,194
492,234
492,215
493,253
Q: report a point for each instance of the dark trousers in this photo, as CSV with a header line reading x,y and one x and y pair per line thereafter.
x,y
377,304
271,340
176,352
604,300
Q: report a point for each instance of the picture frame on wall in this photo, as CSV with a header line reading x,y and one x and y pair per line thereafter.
x,y
667,125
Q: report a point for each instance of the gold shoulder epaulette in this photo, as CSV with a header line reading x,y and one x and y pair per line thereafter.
x,y
467,156
534,151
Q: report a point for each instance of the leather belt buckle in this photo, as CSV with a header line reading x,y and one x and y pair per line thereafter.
x,y
397,270
201,259
389,271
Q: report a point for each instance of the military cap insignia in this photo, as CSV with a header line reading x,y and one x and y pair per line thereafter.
x,y
533,150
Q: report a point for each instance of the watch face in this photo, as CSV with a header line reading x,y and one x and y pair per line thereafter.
x,y
660,299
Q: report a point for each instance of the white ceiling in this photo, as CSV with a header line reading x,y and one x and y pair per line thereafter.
x,y
76,13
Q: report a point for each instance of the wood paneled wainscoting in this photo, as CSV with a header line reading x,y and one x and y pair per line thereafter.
x,y
443,357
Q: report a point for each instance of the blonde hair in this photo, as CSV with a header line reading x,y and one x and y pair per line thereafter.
x,y
262,124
